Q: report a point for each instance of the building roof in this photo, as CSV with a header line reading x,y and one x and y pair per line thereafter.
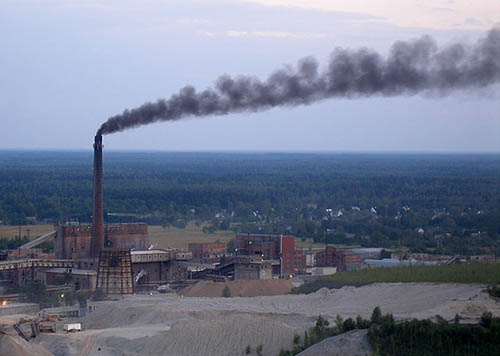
x,y
349,253
67,308
72,271
206,243
367,250
17,305
389,262
261,235
149,252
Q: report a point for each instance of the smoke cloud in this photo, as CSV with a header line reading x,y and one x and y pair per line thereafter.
x,y
411,67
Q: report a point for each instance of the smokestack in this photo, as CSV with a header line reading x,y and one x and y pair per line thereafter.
x,y
97,239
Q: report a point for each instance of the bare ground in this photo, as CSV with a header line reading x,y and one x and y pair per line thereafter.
x,y
171,237
11,231
171,325
354,342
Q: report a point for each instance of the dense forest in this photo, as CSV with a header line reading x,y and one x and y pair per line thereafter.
x,y
411,337
446,203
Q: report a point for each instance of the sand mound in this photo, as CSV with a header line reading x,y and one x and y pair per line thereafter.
x,y
354,342
221,334
16,346
239,288
166,324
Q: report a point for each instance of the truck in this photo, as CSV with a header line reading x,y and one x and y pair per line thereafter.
x,y
72,327
47,327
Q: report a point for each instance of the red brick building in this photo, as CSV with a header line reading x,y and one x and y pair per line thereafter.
x,y
343,259
207,250
273,247
268,246
73,241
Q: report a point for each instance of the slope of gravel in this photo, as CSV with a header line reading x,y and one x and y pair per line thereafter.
x,y
239,288
354,342
172,325
11,345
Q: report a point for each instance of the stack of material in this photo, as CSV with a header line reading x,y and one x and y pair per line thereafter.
x,y
241,288
15,346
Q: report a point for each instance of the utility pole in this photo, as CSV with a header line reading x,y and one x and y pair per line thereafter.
x,y
326,246
19,242
281,256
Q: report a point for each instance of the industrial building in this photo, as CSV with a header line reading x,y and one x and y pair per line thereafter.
x,y
20,272
81,279
116,258
236,268
111,257
207,252
74,241
343,259
157,267
252,268
273,248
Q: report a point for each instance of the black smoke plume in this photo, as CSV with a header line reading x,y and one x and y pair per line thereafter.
x,y
411,67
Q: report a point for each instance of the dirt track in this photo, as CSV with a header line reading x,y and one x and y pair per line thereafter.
x,y
171,325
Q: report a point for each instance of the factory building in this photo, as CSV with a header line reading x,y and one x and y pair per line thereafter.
x,y
252,268
154,267
74,241
111,257
80,279
343,259
20,272
273,247
207,252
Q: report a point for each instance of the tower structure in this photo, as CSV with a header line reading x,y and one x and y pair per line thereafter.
x,y
114,273
97,234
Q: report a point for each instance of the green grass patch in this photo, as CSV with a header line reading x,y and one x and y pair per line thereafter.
x,y
484,273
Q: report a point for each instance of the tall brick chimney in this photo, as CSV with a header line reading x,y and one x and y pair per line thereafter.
x,y
97,239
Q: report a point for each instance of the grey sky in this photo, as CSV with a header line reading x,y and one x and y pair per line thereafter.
x,y
66,66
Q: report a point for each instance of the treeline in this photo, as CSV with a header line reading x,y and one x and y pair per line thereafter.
x,y
414,337
423,337
455,199
12,244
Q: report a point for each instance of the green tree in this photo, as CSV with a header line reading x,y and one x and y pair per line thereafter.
x,y
349,325
376,315
339,324
230,246
321,328
226,292
258,350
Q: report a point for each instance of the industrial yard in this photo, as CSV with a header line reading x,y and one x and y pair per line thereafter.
x,y
195,293
253,177
171,324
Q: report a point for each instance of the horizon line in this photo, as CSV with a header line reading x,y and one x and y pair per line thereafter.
x,y
235,151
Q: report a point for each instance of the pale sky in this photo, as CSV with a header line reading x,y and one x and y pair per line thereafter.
x,y
435,14
66,66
